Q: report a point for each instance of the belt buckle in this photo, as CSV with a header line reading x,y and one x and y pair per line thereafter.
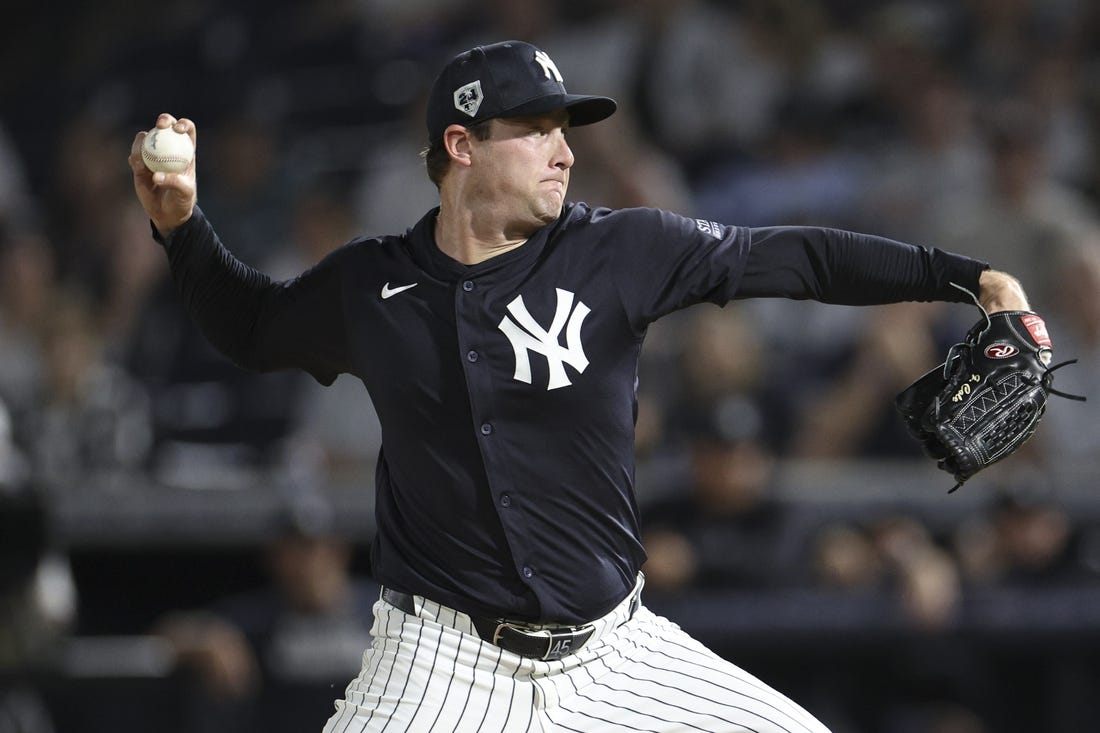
x,y
560,642
501,627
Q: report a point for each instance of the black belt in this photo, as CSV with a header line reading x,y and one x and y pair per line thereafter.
x,y
547,643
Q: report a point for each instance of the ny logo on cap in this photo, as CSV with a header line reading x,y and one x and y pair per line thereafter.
x,y
468,98
548,66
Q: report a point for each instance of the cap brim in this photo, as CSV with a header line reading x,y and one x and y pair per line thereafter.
x,y
583,109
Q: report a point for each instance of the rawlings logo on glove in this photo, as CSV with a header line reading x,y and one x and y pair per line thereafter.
x,y
986,399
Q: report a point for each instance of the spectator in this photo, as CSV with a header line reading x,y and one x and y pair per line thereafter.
x,y
37,608
27,282
132,273
726,528
85,208
330,423
710,77
274,659
854,415
723,356
896,555
1020,219
14,470
91,418
1026,540
935,157
1053,87
18,209
799,174
249,187
392,184
1067,443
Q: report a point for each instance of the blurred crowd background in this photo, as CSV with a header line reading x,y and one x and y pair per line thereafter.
x,y
186,546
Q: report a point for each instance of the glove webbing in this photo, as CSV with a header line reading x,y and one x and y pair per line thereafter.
x,y
1047,382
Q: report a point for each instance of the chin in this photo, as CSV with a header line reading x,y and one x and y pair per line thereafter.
x,y
552,209
549,215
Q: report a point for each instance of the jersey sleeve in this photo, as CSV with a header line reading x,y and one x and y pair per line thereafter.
x,y
260,324
847,268
665,261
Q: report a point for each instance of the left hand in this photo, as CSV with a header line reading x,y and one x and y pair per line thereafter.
x,y
986,400
999,291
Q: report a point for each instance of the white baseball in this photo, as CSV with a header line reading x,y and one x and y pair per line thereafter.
x,y
167,151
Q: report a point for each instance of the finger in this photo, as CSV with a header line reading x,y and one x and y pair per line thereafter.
x,y
165,120
187,126
167,180
136,162
181,185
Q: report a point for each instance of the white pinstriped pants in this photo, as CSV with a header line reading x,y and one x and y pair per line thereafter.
x,y
431,672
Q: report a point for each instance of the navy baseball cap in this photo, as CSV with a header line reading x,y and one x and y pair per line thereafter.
x,y
506,79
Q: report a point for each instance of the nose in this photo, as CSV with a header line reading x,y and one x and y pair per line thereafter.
x,y
563,159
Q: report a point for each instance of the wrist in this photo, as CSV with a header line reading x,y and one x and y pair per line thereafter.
x,y
165,229
999,291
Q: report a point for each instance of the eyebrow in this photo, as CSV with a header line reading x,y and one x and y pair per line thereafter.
x,y
557,119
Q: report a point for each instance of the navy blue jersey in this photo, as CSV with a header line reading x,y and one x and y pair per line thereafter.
x,y
507,390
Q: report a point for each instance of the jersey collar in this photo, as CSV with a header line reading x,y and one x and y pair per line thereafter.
x,y
440,266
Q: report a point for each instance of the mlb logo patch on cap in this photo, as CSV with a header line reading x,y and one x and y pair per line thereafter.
x,y
468,98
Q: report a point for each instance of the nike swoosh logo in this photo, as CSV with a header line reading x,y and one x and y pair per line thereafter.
x,y
388,292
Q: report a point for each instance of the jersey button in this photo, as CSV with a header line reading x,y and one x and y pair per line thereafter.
x,y
505,501
486,428
471,356
468,285
528,572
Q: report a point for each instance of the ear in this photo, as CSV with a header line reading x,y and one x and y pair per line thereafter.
x,y
458,142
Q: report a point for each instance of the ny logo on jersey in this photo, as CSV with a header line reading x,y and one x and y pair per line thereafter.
x,y
527,335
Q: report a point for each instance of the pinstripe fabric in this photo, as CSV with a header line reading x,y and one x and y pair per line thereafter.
x,y
430,672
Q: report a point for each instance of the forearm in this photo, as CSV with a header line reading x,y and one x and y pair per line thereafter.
x,y
220,293
260,324
836,266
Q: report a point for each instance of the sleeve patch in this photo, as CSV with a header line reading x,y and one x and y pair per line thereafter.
x,y
712,228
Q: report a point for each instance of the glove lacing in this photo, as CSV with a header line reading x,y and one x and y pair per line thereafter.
x,y
1048,382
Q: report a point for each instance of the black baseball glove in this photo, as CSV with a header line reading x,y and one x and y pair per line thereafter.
x,y
986,399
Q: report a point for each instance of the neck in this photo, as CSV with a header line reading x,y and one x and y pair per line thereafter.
x,y
470,238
